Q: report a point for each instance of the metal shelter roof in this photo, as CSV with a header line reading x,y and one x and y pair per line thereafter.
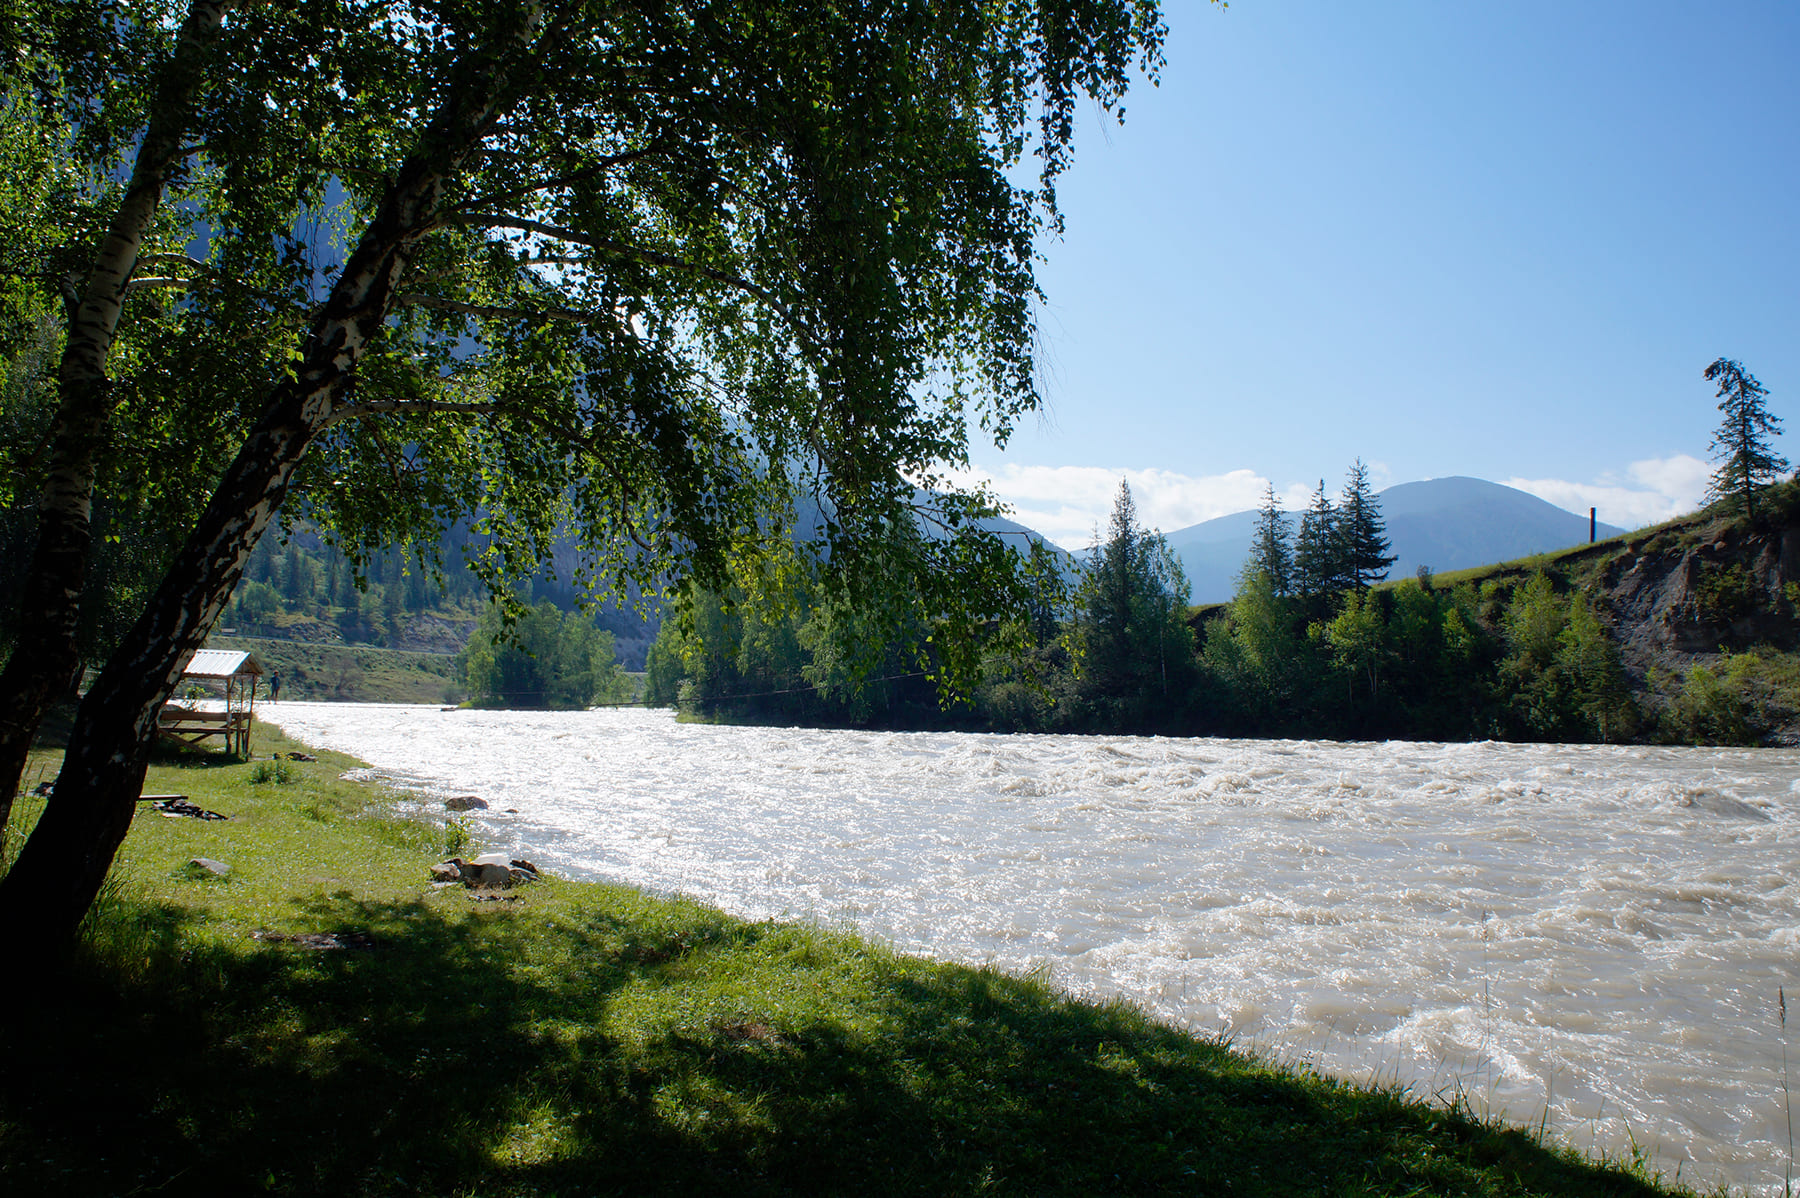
x,y
221,663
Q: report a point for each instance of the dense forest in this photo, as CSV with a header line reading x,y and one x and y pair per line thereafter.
x,y
1676,634
303,588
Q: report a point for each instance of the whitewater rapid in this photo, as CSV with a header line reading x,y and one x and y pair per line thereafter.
x,y
1589,935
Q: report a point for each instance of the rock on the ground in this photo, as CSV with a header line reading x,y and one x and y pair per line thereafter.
x,y
217,869
487,875
466,803
489,870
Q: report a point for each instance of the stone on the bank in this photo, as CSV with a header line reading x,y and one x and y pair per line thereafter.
x,y
466,803
488,870
487,875
217,869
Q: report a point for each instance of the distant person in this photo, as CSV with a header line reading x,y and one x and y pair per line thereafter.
x,y
275,686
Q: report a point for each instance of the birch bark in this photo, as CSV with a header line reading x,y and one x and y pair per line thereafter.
x,y
46,655
71,849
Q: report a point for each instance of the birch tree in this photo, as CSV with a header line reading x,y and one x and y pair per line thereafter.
x,y
646,271
93,301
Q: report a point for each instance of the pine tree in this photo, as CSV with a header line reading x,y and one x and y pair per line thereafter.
x,y
1130,631
1317,569
1741,446
1362,535
1117,583
1271,550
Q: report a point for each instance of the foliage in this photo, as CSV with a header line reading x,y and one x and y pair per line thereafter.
x,y
1262,665
1361,534
1271,545
763,659
646,273
1561,672
1742,699
1130,644
279,772
544,658
1357,638
1318,562
1742,445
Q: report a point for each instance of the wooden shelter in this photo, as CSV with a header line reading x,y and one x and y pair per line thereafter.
x,y
216,697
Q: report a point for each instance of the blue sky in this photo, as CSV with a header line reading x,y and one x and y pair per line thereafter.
x,y
1497,239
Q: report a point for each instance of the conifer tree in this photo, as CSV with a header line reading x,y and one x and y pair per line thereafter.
x,y
1362,535
1741,446
1129,628
1271,548
1317,569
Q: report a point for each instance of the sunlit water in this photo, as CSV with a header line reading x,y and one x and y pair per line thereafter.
x,y
1593,932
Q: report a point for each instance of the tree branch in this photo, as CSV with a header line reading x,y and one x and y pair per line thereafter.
x,y
586,171
164,282
495,220
496,311
370,407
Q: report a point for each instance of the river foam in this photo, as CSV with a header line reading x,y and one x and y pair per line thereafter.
x,y
1593,935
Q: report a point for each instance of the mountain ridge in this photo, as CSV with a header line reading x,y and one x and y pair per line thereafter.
x,y
1442,524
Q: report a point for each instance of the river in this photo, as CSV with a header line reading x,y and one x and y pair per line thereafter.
x,y
1593,936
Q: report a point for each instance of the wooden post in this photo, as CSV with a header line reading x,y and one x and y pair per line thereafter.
x,y
1593,526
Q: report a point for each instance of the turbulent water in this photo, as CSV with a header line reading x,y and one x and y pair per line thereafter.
x,y
1592,935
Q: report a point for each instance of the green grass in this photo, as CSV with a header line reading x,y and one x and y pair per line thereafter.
x,y
591,1039
352,673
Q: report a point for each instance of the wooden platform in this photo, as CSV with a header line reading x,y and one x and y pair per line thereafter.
x,y
192,725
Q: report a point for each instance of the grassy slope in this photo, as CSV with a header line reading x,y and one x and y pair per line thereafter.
x,y
354,673
1584,564
591,1039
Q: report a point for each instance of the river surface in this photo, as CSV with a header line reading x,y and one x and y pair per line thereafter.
x,y
1590,935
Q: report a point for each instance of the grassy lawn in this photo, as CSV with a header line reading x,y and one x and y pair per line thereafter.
x,y
589,1039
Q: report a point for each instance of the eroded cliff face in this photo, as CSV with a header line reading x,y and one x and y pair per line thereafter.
x,y
1725,587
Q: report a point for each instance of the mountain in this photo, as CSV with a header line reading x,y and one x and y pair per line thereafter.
x,y
1443,523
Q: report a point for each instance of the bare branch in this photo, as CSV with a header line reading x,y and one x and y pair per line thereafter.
x,y
172,260
158,281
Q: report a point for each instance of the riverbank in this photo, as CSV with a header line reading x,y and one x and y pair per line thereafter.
x,y
588,1038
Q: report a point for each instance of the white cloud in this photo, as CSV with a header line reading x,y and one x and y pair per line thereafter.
x,y
1653,490
1067,503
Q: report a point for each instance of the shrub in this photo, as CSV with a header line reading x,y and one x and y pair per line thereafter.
x,y
279,772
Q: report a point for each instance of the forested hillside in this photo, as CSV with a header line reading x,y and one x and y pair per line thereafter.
x,y
1683,633
304,589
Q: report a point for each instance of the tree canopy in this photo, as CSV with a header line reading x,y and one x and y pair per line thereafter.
x,y
1743,446
1362,534
1271,545
1129,632
646,272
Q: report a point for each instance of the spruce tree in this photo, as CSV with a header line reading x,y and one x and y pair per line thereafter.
x,y
1271,549
1741,446
1136,648
1362,535
1317,568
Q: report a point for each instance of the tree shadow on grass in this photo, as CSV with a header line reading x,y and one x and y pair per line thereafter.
x,y
458,1056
